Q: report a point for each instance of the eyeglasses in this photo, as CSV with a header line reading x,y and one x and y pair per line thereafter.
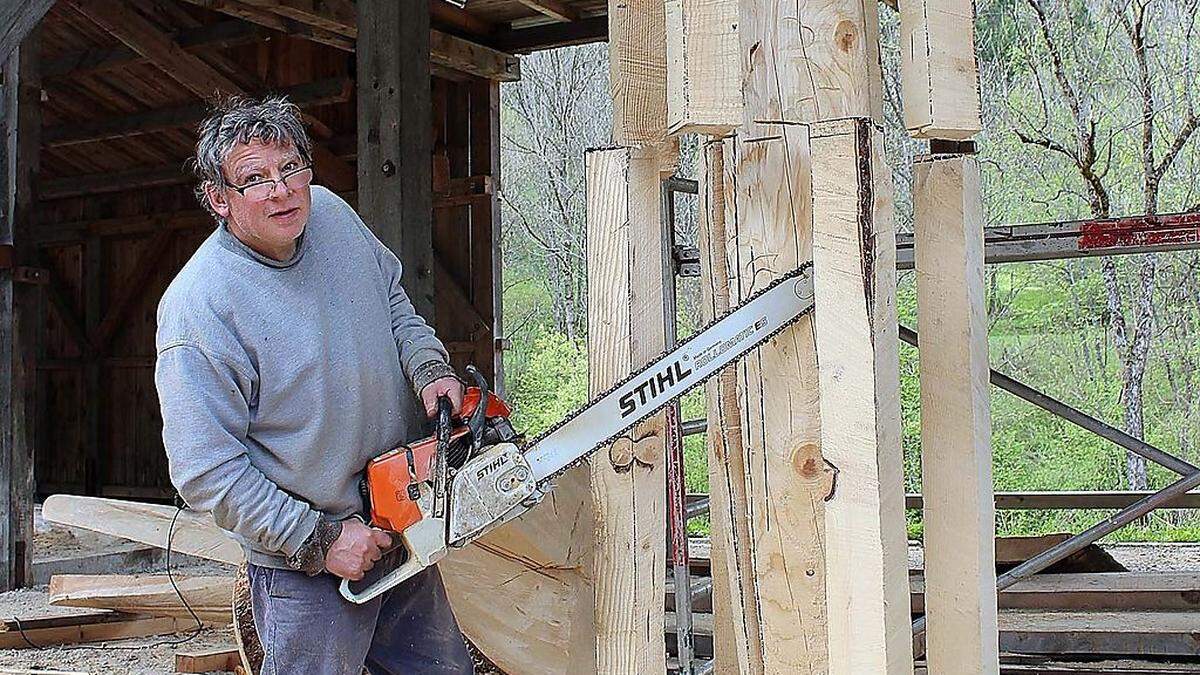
x,y
261,190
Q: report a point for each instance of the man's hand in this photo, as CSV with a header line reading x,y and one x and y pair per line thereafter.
x,y
356,550
450,387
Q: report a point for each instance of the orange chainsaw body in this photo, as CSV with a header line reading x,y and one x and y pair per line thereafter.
x,y
393,478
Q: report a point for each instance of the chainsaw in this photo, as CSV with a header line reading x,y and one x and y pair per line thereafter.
x,y
445,491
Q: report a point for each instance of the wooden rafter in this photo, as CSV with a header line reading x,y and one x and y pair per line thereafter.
x,y
303,18
555,9
16,20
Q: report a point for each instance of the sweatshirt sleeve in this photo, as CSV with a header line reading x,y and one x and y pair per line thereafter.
x,y
206,417
422,355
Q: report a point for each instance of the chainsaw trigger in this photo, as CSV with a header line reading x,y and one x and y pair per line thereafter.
x,y
412,464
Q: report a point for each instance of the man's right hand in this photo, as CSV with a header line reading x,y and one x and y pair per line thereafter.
x,y
356,549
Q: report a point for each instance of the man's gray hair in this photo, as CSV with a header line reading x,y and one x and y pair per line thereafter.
x,y
237,119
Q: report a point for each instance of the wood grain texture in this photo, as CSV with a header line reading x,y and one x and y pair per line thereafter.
x,y
704,89
785,478
151,594
810,61
737,642
637,71
956,436
857,346
939,77
627,258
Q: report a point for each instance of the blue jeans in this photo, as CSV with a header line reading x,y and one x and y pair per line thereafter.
x,y
307,628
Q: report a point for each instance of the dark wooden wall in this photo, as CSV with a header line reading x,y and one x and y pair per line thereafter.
x,y
111,247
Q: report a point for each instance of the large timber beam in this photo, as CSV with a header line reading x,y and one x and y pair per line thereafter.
x,y
637,71
395,115
938,74
19,308
956,432
627,263
704,93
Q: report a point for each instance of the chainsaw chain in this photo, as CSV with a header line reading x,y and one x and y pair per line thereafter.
x,y
583,457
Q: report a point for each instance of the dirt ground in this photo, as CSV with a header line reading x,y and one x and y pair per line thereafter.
x,y
156,655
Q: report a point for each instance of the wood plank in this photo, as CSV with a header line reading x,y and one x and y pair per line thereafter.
x,y
472,58
555,9
194,532
1109,591
59,619
150,594
938,72
787,482
627,263
1071,499
1108,633
486,234
956,431
395,184
126,627
739,641
704,92
858,350
209,660
637,71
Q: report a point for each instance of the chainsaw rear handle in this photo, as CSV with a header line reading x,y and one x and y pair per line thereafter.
x,y
422,544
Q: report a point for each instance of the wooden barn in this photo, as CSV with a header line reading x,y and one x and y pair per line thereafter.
x,y
101,104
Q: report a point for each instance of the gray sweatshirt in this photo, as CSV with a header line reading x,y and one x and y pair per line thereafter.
x,y
279,380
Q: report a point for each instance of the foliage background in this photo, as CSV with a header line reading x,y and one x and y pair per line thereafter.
x,y
1052,325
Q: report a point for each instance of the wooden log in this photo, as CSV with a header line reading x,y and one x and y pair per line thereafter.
x,y
739,640
956,432
637,71
628,264
858,351
194,533
938,73
151,594
704,93
395,188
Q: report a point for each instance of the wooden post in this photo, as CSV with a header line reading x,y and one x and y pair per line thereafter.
x,y
854,262
395,188
637,67
18,311
736,634
485,225
938,74
956,448
704,92
626,259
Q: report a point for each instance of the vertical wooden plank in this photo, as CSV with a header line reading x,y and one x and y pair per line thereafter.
x,y
18,312
394,121
734,628
485,227
637,67
787,482
939,77
626,329
704,92
92,404
854,261
956,447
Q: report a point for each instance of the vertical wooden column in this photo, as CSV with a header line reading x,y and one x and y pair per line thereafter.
x,y
18,311
93,406
956,434
626,330
737,638
485,223
938,74
854,259
394,145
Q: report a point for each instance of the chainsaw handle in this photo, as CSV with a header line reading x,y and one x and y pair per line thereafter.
x,y
479,415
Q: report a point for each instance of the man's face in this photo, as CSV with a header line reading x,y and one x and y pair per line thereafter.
x,y
267,223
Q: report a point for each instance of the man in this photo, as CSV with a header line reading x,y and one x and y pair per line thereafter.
x,y
288,356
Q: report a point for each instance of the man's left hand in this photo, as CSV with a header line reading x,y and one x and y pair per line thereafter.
x,y
450,387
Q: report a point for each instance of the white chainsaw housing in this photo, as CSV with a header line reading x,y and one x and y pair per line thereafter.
x,y
488,491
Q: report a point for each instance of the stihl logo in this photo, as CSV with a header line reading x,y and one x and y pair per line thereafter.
x,y
491,466
652,387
